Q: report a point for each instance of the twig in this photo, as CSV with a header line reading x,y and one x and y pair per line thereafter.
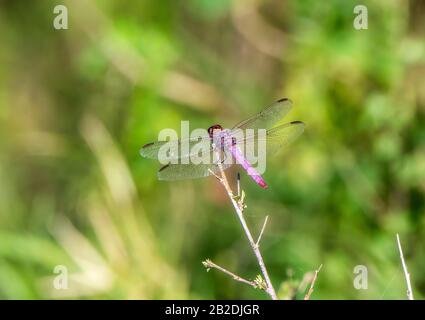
x,y
209,264
269,288
261,232
310,291
215,175
406,273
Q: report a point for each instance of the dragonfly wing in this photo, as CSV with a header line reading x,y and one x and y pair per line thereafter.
x,y
208,166
275,138
173,149
188,171
268,117
281,136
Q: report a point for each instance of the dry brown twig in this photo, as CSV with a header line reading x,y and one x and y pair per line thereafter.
x,y
262,231
209,265
313,281
406,273
239,207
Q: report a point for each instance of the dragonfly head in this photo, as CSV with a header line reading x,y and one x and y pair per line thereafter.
x,y
213,128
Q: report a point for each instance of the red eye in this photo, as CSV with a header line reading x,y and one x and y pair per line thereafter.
x,y
212,128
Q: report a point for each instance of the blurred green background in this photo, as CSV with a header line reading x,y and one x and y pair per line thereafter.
x,y
76,105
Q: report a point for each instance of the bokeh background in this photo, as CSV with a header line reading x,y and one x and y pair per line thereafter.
x,y
76,105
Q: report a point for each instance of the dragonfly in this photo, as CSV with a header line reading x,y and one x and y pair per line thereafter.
x,y
220,142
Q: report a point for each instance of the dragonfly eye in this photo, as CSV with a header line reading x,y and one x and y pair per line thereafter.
x,y
213,128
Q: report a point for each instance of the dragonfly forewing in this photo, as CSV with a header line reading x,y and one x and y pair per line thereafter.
x,y
175,149
268,117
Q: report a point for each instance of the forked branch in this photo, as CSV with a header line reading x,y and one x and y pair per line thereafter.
x,y
239,207
262,231
211,265
313,281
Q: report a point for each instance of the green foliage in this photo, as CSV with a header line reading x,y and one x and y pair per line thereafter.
x,y
76,105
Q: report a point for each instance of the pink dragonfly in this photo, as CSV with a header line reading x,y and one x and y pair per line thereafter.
x,y
220,140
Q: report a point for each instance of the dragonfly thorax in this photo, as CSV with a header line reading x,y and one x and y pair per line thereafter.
x,y
221,137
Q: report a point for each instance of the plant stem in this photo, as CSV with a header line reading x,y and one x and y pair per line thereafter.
x,y
262,231
270,290
406,273
310,291
209,264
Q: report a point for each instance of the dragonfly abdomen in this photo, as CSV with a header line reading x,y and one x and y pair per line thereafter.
x,y
247,166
